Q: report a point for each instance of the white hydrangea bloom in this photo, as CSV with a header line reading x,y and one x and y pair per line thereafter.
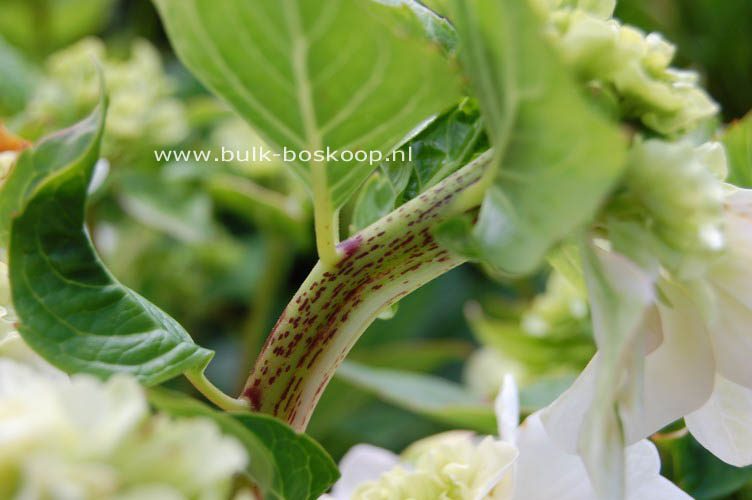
x,y
634,65
524,465
696,343
141,104
79,438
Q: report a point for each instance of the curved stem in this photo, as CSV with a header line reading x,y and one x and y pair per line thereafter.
x,y
333,307
213,393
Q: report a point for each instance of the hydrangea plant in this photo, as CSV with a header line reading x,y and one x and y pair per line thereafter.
x,y
535,130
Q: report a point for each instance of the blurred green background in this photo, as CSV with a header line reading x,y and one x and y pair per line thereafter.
x,y
222,248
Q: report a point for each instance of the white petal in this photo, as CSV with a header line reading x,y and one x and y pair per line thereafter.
x,y
544,471
507,408
732,342
633,289
678,375
563,418
722,425
733,272
643,475
361,463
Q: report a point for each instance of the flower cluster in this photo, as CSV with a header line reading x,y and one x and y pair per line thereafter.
x,y
141,104
522,464
77,437
696,344
635,67
80,438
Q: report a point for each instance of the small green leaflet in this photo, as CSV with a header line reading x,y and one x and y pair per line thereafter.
x,y
284,464
443,147
72,311
556,156
311,75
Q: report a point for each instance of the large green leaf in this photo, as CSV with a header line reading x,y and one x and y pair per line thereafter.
x,y
556,156
309,75
285,465
431,396
738,142
72,310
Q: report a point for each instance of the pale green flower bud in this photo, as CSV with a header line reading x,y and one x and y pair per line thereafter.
x,y
561,303
486,368
680,187
75,68
636,65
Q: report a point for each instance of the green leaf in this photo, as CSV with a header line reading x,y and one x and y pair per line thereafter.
x,y
442,148
270,210
699,472
437,28
413,355
375,200
738,142
78,144
427,395
315,75
556,157
286,465
72,310
40,27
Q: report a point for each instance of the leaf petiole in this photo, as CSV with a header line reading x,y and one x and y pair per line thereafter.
x,y
198,379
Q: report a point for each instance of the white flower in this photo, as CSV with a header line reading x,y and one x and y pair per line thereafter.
x,y
697,346
634,65
77,438
524,465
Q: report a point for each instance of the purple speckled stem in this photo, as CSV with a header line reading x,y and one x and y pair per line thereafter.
x,y
381,264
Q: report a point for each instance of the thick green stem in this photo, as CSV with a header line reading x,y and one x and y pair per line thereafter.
x,y
334,306
325,217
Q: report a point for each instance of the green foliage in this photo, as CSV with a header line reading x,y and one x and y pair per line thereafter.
x,y
40,26
431,396
72,311
18,81
700,473
550,174
284,464
439,150
738,142
331,74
